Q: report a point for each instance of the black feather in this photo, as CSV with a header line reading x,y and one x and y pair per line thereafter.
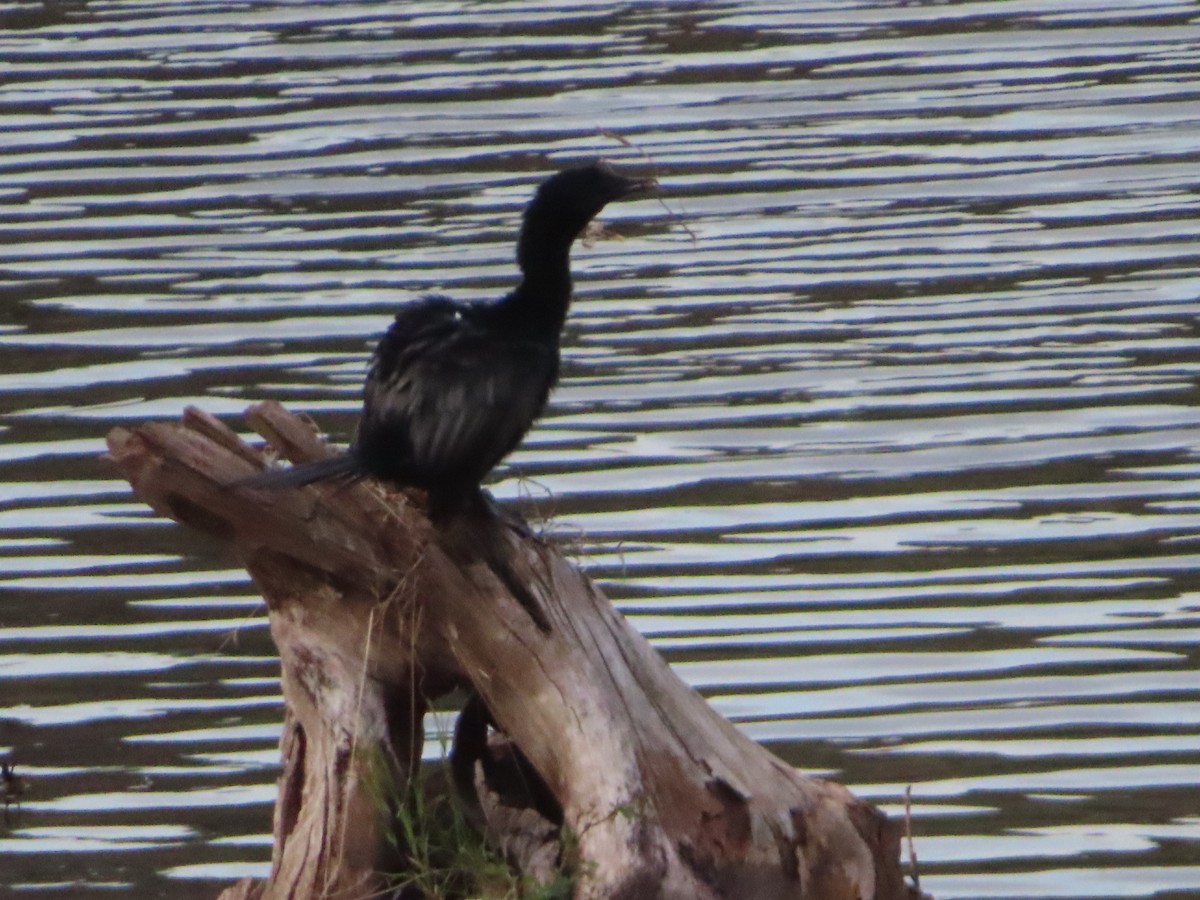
x,y
345,467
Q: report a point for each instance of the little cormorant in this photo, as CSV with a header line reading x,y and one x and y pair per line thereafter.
x,y
454,386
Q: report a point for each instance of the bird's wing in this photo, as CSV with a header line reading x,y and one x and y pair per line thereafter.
x,y
453,394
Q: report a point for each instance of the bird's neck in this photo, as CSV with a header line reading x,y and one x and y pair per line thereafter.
x,y
540,301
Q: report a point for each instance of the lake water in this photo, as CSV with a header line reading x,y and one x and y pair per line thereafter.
x,y
886,432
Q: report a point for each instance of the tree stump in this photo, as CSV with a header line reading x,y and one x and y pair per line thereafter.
x,y
573,724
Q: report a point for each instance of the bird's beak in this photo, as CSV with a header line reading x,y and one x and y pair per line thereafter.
x,y
637,187
623,186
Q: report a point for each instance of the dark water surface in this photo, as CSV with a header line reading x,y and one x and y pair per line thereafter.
x,y
897,460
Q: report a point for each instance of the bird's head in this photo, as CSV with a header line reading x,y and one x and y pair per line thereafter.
x,y
566,202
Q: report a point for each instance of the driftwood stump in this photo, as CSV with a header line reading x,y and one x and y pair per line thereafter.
x,y
573,724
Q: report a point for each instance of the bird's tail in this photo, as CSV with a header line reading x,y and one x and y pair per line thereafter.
x,y
344,468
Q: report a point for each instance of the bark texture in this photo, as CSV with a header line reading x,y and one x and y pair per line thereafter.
x,y
572,719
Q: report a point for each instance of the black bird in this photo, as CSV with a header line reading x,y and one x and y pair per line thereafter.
x,y
454,386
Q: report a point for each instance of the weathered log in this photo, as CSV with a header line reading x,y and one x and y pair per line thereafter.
x,y
574,725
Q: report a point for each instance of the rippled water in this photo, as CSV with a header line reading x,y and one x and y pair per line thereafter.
x,y
888,437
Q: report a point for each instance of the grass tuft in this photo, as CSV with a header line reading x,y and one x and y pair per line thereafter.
x,y
444,856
